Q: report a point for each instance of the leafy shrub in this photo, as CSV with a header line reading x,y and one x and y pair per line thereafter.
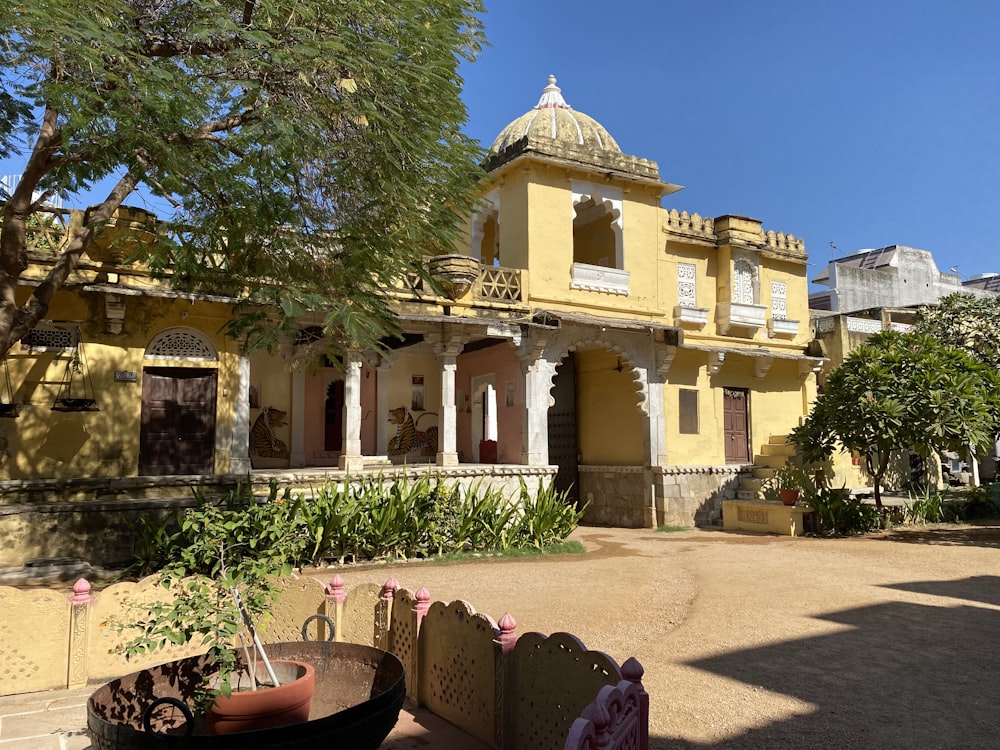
x,y
365,519
839,513
926,509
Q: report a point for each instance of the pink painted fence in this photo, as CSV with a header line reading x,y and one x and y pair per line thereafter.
x,y
509,692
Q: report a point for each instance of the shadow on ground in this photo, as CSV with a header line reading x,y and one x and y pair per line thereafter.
x,y
979,535
900,675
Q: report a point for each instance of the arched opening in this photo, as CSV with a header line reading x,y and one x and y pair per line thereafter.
x,y
594,233
489,244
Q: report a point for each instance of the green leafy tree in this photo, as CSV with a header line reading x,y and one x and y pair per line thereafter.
x,y
969,323
310,151
901,391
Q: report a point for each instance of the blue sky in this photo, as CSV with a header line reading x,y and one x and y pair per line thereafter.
x,y
863,124
857,123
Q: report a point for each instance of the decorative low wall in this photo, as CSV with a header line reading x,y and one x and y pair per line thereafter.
x,y
510,692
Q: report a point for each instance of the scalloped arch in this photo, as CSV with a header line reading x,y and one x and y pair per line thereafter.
x,y
585,340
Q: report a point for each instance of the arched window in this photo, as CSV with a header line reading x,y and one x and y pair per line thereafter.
x,y
182,344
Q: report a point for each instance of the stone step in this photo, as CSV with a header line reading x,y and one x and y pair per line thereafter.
x,y
778,449
778,439
769,461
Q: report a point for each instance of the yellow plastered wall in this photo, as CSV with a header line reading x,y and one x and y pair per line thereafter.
x,y
609,423
775,406
701,448
536,232
42,443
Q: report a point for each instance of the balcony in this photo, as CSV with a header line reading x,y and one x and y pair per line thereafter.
x,y
690,317
737,317
464,279
781,328
600,279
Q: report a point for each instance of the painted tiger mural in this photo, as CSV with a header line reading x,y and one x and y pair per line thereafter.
x,y
408,437
263,443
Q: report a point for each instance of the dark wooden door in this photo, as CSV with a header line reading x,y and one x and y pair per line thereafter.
x,y
564,448
735,425
333,439
177,435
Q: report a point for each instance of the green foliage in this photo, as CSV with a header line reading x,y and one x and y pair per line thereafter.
x,y
311,152
369,518
838,513
788,476
241,543
220,569
965,322
901,391
927,508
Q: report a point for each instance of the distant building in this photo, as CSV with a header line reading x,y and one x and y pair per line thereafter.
x,y
893,276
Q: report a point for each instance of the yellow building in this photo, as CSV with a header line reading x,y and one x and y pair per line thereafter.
x,y
640,355
644,354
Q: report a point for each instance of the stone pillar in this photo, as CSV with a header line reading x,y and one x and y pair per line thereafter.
x,y
448,432
297,455
351,458
76,675
538,375
239,449
653,448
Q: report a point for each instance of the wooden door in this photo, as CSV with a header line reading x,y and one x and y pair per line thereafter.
x,y
564,447
333,422
735,425
177,434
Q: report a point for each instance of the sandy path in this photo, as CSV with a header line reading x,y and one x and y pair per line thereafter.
x,y
773,642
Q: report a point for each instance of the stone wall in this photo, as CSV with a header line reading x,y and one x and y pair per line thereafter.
x,y
693,495
635,497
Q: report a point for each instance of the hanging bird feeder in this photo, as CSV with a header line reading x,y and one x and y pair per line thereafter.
x,y
77,390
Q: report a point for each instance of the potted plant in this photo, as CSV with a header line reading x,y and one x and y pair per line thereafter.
x,y
786,483
221,574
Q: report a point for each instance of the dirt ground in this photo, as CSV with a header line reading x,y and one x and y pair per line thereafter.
x,y
771,642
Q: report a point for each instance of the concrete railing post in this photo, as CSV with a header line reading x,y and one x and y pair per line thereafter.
x,y
76,675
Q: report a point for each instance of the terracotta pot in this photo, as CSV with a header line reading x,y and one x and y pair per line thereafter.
x,y
266,707
788,496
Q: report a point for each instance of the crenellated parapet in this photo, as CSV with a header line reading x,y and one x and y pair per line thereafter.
x,y
688,225
735,231
785,244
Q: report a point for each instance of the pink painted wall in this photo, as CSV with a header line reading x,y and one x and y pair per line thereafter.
x,y
315,414
502,362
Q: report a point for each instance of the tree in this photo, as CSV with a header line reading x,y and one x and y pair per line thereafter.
x,y
969,323
901,391
310,151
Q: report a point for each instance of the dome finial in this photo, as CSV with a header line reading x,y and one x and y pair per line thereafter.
x,y
552,97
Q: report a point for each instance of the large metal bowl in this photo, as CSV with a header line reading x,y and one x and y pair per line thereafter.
x,y
359,692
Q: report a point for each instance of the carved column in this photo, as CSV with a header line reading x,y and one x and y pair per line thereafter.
x,y
351,458
239,460
448,432
538,375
